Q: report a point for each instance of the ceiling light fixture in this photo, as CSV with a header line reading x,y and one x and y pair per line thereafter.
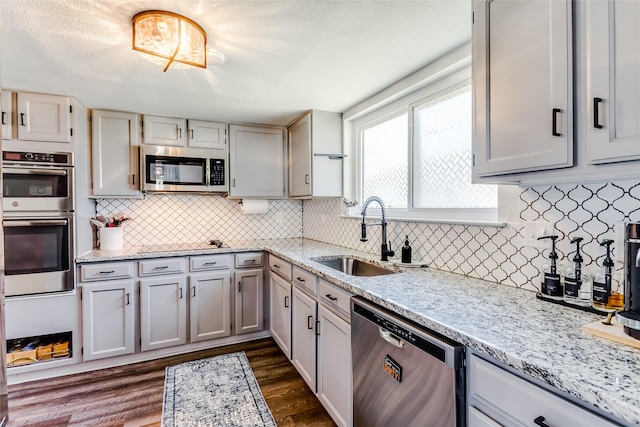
x,y
170,38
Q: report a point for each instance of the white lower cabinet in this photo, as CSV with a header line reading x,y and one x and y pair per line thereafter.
x,y
249,301
108,319
334,366
303,339
210,306
280,311
163,312
498,397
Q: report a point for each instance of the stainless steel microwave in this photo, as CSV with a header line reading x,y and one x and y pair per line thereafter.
x,y
179,169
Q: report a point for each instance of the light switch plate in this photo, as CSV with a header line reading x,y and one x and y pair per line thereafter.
x,y
535,229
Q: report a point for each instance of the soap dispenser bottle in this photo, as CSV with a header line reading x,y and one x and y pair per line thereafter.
x,y
406,252
577,284
550,284
607,289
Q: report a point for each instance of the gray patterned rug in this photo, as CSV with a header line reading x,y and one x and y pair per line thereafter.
x,y
219,391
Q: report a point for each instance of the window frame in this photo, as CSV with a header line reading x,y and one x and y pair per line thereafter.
x,y
406,105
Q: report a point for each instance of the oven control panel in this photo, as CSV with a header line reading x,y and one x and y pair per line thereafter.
x,y
33,157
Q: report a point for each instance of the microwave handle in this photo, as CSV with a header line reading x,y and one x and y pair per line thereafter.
x,y
10,223
34,171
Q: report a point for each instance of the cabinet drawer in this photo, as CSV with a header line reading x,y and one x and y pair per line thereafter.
x,y
106,271
249,259
280,266
304,279
161,266
512,399
332,296
210,262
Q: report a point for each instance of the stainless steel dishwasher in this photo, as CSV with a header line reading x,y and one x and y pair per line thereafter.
x,y
403,375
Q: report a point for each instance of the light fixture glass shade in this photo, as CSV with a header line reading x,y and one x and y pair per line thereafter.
x,y
170,38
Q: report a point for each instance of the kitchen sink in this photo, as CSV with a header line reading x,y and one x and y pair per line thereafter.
x,y
354,266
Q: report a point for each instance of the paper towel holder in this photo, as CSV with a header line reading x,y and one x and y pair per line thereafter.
x,y
254,206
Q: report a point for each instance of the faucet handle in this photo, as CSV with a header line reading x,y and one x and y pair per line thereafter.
x,y
364,232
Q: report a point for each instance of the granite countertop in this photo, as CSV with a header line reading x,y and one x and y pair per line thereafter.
x,y
538,338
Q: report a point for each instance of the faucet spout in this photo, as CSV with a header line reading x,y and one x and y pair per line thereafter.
x,y
386,252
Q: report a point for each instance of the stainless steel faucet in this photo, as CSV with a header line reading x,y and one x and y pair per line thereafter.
x,y
386,252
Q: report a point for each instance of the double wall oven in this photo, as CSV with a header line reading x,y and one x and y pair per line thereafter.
x,y
38,222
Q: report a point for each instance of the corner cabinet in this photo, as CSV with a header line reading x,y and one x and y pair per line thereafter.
x,y
280,312
42,117
522,86
613,87
115,138
257,162
315,155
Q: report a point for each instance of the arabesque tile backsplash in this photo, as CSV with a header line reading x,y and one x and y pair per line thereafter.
x,y
592,211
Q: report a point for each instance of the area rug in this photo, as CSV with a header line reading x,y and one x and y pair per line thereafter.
x,y
218,391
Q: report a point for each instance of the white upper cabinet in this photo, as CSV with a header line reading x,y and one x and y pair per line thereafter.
x,y
159,130
257,161
315,155
7,115
613,80
114,153
522,84
43,117
207,134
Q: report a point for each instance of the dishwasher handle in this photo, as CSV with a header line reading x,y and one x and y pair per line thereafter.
x,y
390,338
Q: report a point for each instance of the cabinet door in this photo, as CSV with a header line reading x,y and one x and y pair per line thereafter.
x,y
210,306
163,312
207,135
334,366
280,309
522,86
159,130
114,153
477,418
107,319
303,336
44,117
613,86
7,115
300,157
256,161
326,154
249,313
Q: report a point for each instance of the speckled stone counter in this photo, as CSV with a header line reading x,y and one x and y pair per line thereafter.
x,y
537,338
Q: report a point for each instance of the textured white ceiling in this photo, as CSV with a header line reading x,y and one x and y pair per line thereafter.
x,y
282,57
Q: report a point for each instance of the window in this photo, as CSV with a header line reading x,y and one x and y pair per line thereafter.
x,y
417,158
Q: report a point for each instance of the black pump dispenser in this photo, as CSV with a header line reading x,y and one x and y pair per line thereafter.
x,y
406,252
606,295
550,284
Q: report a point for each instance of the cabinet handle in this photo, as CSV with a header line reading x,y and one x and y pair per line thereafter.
x,y
309,322
194,291
317,328
331,297
239,286
286,302
300,279
107,272
22,119
191,133
180,293
554,120
276,266
233,182
306,178
3,116
596,113
540,422
249,261
161,267
133,179
179,133
210,263
127,299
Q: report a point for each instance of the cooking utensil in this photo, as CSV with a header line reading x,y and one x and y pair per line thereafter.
x,y
96,223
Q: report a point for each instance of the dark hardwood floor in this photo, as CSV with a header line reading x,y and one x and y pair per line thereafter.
x,y
131,395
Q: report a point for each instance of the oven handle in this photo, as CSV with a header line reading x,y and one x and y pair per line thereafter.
x,y
35,171
34,222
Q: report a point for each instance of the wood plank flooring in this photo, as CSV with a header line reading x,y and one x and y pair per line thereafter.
x,y
131,396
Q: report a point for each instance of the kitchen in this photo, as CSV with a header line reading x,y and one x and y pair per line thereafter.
x,y
588,198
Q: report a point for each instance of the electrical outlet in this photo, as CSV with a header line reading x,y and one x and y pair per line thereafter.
x,y
533,230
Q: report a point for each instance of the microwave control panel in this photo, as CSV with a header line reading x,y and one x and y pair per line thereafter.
x,y
216,176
